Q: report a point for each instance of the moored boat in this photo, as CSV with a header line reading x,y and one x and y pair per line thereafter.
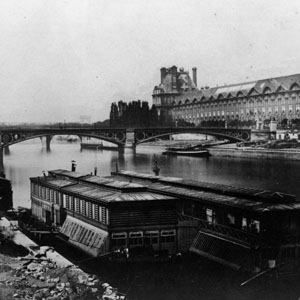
x,y
97,146
187,150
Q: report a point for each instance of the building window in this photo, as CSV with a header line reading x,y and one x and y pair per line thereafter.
x,y
119,239
254,226
210,216
60,198
86,208
89,210
151,237
103,215
136,238
167,236
55,196
230,219
64,201
95,212
71,204
82,207
67,202
244,223
51,195
77,205
43,193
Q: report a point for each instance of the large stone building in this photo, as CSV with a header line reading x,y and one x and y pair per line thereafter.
x,y
260,101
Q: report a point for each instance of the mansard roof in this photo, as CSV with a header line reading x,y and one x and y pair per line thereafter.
x,y
184,82
263,86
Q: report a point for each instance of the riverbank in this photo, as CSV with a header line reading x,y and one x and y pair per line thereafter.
x,y
232,150
29,271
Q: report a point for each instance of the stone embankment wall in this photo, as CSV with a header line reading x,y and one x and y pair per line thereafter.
x,y
248,152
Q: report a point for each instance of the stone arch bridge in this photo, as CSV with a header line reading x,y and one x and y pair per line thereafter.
x,y
122,137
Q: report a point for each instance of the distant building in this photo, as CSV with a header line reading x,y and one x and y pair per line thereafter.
x,y
173,83
6,201
85,119
262,100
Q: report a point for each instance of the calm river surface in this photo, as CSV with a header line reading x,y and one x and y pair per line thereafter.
x,y
30,159
196,278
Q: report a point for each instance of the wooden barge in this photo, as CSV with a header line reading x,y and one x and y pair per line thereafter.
x,y
103,215
187,150
244,228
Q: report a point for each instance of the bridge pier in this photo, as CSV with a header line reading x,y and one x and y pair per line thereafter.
x,y
6,150
130,139
121,149
48,141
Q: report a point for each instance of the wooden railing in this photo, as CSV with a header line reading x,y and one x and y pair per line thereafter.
x,y
245,236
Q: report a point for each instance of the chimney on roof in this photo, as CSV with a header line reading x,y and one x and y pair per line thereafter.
x,y
195,75
163,73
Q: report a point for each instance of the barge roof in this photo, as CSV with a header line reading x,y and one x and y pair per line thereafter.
x,y
243,198
101,189
67,173
56,182
96,193
108,182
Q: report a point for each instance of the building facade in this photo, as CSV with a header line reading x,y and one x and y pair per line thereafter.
x,y
261,101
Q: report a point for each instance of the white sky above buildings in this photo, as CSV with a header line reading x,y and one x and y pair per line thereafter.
x,y
62,59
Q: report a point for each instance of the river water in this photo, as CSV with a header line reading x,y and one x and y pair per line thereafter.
x,y
196,278
30,159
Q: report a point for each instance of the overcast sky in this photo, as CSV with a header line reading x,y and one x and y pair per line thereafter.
x,y
62,59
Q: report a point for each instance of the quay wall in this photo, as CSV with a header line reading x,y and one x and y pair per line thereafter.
x,y
246,152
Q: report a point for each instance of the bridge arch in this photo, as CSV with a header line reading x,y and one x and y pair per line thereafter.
x,y
111,139
230,136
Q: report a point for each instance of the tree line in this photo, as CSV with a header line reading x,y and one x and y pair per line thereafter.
x,y
137,114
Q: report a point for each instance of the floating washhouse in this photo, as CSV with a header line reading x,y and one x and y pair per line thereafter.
x,y
101,215
243,228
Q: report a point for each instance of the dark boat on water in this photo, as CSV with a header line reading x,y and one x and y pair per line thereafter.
x,y
187,150
97,146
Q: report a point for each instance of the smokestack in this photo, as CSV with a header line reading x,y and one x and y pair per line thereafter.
x,y
95,171
195,75
73,168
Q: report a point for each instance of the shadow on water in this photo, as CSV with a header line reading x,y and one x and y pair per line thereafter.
x,y
189,277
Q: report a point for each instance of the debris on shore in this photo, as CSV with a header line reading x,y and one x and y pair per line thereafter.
x,y
37,277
